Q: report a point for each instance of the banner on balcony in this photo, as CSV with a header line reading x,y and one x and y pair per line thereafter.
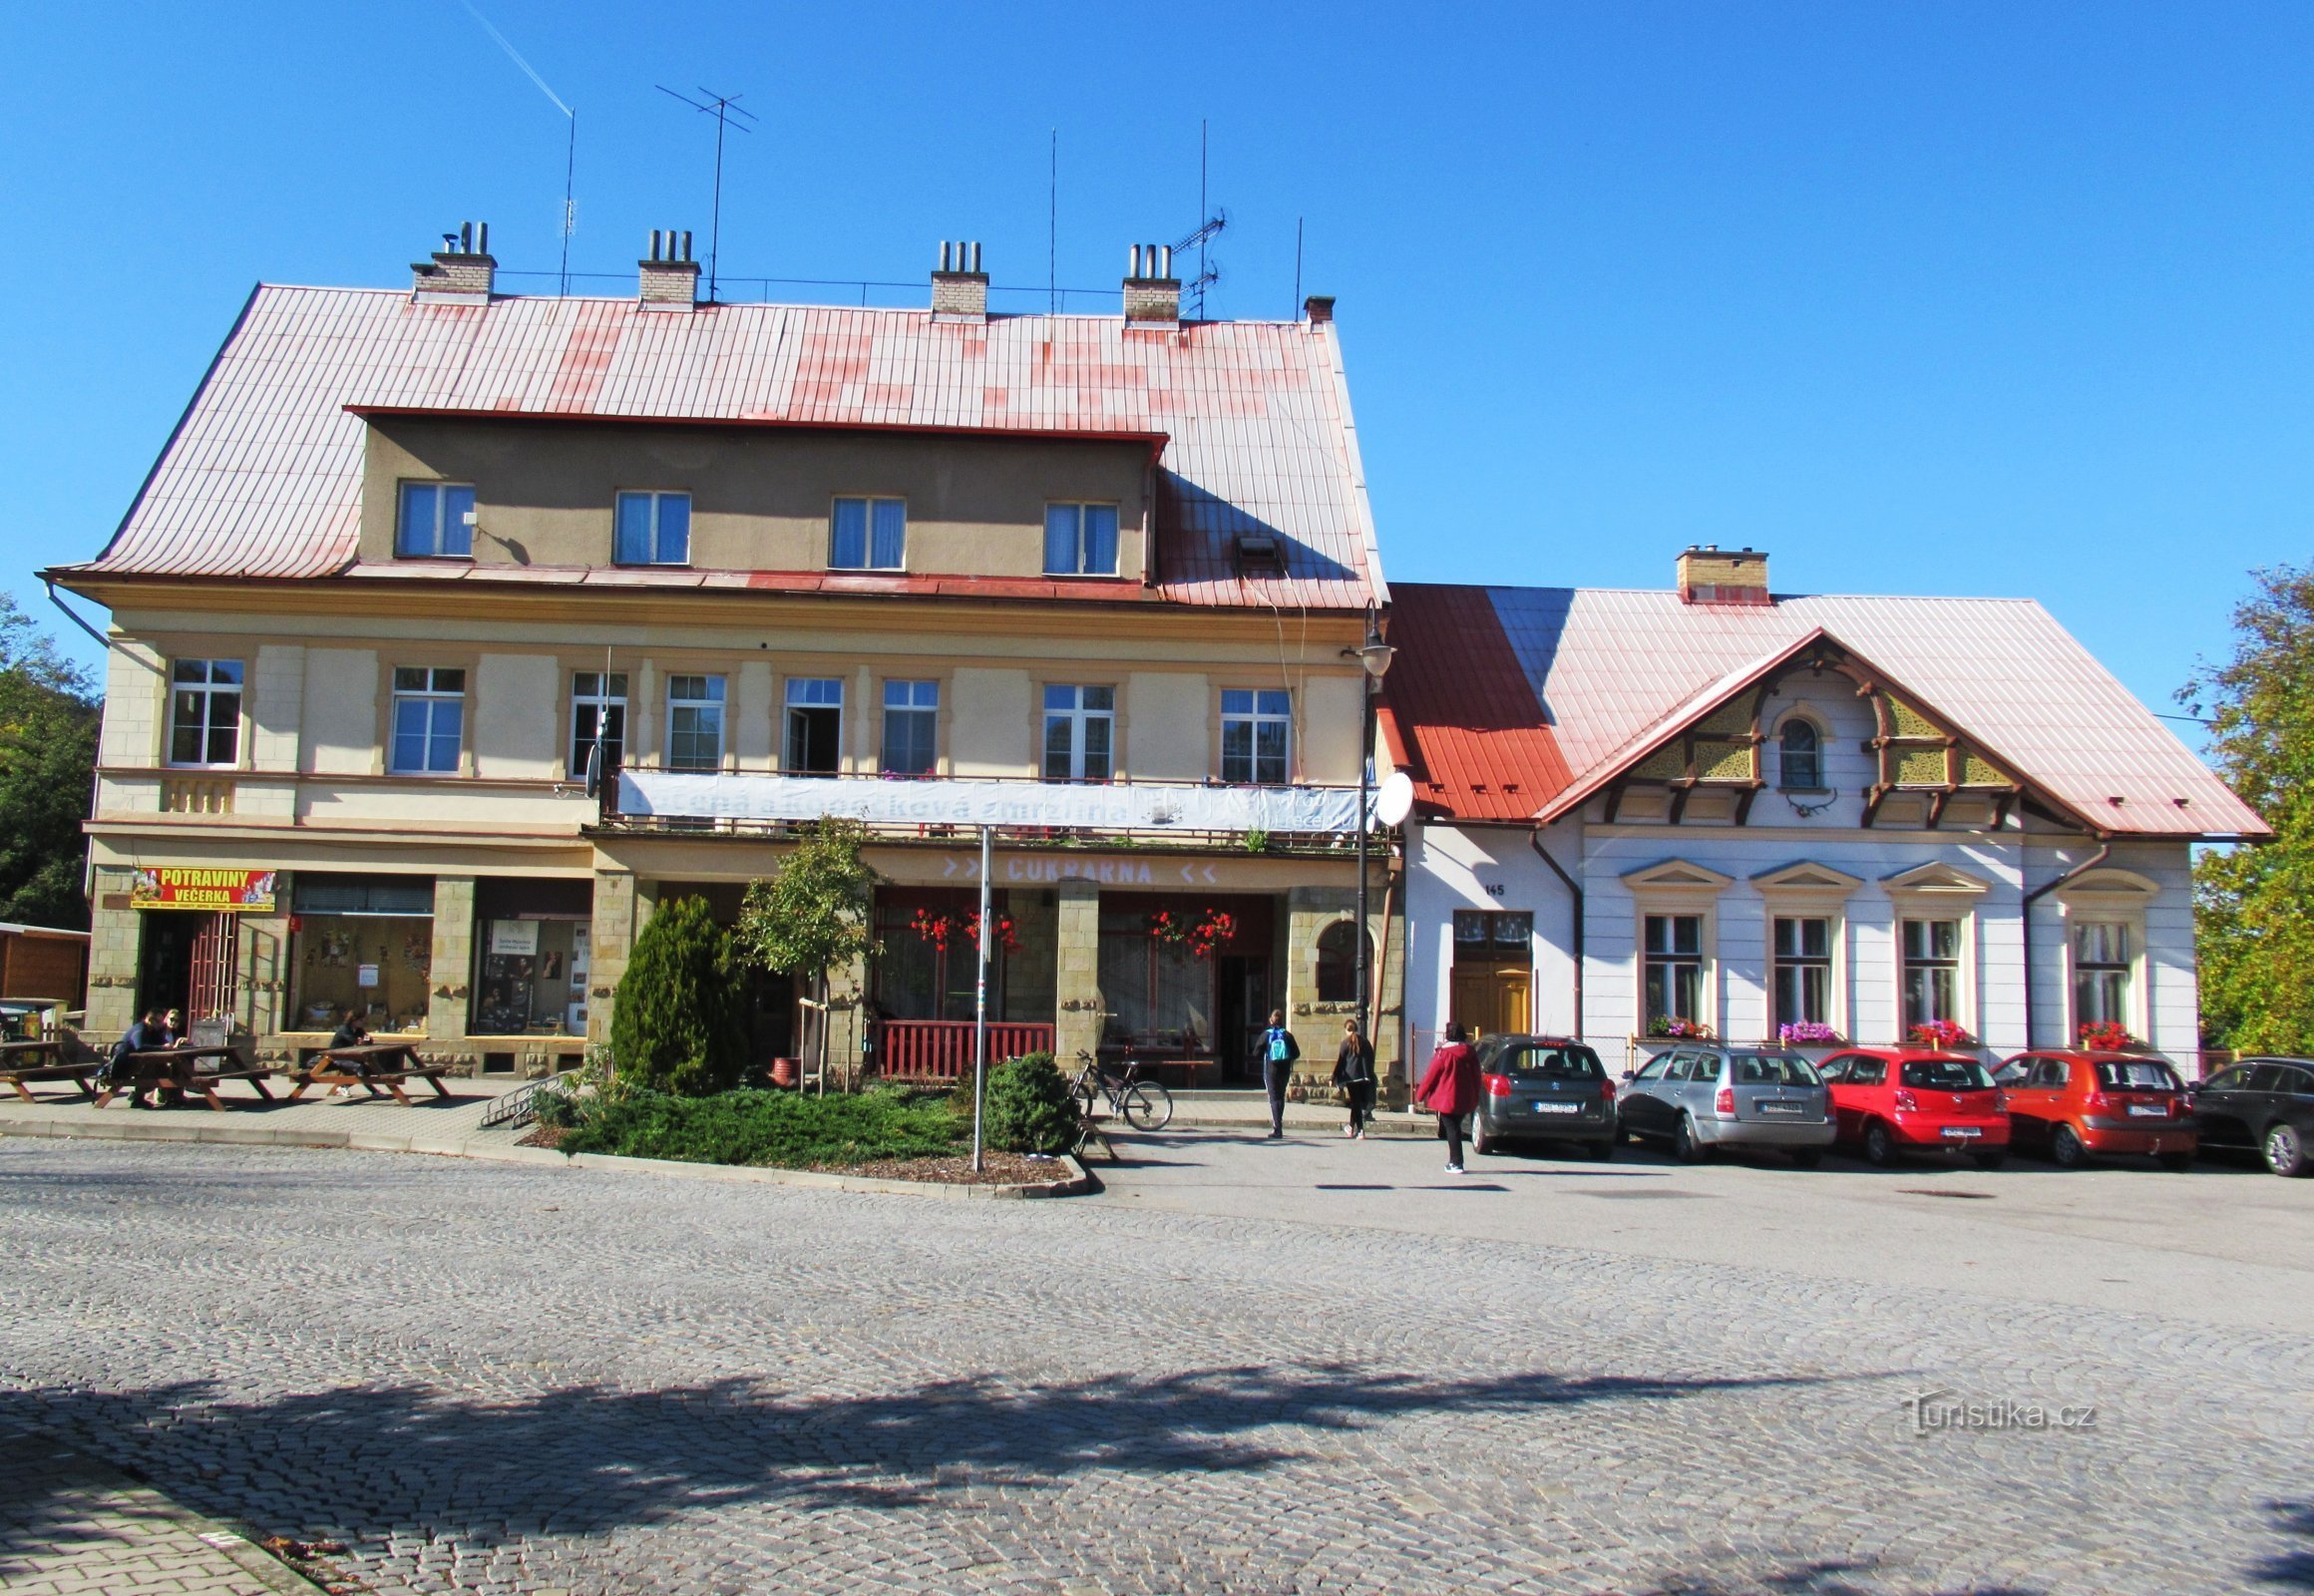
x,y
1123,807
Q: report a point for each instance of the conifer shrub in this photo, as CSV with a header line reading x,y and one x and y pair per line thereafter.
x,y
1029,1107
677,1027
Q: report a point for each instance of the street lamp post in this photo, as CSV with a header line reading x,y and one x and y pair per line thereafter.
x,y
1374,656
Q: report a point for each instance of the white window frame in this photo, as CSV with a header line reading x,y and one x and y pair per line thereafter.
x,y
1080,567
611,693
1260,714
1807,890
789,706
917,690
432,694
658,498
1678,887
1078,716
869,505
208,690
443,525
2118,897
713,694
1936,891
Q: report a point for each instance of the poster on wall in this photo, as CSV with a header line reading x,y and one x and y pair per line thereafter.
x,y
232,890
514,936
365,975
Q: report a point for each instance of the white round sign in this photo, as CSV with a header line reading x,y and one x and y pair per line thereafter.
x,y
1395,800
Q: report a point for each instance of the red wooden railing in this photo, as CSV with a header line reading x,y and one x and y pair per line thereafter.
x,y
941,1050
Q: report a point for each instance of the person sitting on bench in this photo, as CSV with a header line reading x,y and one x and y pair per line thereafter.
x,y
349,1034
146,1033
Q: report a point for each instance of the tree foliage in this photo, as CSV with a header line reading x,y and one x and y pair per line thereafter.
x,y
1030,1108
48,763
677,1026
813,914
2255,937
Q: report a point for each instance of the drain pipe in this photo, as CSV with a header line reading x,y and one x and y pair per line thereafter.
x,y
1575,892
2025,921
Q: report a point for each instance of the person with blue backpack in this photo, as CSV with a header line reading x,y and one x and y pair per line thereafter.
x,y
1278,1049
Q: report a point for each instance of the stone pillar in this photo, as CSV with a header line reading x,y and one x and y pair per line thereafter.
x,y
611,941
451,999
1318,1025
846,1024
112,947
265,972
1077,975
1030,993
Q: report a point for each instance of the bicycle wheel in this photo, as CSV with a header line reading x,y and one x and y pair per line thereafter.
x,y
1148,1106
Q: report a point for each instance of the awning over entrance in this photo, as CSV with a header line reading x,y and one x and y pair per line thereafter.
x,y
1121,806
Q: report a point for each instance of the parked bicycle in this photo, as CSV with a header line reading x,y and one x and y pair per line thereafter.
x,y
1142,1104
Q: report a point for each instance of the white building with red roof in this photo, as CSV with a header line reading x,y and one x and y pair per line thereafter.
x,y
453,630
1715,809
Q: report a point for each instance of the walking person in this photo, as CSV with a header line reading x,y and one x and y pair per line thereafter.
x,y
1354,1073
1449,1089
1279,1050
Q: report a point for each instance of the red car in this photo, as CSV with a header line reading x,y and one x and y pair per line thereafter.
x,y
2075,1105
1888,1100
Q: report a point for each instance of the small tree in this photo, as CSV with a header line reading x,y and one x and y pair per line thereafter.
x,y
676,1026
1030,1106
813,914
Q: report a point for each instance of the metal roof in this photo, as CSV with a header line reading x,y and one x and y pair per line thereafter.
x,y
1252,420
1614,672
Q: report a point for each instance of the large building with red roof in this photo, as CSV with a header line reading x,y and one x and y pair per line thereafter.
x,y
1722,810
453,630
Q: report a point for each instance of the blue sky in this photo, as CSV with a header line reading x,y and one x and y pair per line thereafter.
x,y
1922,298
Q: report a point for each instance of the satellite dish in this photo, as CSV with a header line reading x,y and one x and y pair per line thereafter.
x,y
594,770
1396,801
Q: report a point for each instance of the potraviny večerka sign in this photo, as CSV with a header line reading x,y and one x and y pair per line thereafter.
x,y
1122,806
232,890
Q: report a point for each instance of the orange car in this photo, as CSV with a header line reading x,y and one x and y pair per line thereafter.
x,y
2073,1105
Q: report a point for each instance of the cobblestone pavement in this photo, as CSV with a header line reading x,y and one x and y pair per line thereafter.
x,y
508,1378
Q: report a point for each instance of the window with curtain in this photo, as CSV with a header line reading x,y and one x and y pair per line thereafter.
x,y
1081,540
1800,762
431,522
1932,970
1079,733
1675,967
911,727
652,529
869,535
1803,970
2100,971
694,722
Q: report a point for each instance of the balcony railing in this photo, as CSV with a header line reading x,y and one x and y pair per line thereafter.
x,y
941,1050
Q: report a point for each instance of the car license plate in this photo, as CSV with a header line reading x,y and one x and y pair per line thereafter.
x,y
2150,1111
1558,1108
1961,1132
1781,1108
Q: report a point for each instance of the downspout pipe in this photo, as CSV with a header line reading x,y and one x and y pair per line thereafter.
x,y
2025,921
73,616
1575,892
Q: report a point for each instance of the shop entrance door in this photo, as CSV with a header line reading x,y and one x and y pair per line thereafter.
x,y
186,963
1491,997
215,962
1241,1013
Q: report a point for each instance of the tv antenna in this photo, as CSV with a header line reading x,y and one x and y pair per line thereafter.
x,y
570,223
1215,223
722,107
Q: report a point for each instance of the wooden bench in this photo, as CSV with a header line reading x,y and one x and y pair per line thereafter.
x,y
369,1066
179,1068
21,1061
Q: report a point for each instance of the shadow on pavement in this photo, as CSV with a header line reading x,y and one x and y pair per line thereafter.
x,y
2292,1569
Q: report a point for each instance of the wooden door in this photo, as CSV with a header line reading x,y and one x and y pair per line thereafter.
x,y
1492,997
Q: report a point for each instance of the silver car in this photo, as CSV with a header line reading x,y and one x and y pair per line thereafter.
x,y
1702,1096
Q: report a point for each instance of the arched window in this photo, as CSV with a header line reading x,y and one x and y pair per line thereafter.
x,y
1337,962
1801,766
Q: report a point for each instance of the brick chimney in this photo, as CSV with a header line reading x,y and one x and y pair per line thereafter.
x,y
1319,307
461,270
1152,291
1713,576
960,288
670,278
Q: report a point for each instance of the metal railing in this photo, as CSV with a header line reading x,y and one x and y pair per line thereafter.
x,y
941,1050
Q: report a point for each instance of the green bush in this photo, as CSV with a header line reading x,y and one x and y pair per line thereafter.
x,y
676,1026
779,1130
1030,1108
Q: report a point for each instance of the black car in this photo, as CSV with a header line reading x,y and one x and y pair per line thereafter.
x,y
2260,1105
1542,1088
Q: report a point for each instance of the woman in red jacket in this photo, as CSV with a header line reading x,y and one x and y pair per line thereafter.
x,y
1449,1089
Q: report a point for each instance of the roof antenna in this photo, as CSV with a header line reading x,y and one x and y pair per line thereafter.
x,y
722,107
570,153
1215,221
1053,229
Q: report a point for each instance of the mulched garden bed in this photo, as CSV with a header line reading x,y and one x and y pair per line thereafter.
x,y
1004,1169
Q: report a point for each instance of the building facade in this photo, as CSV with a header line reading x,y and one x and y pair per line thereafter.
x,y
1718,809
453,631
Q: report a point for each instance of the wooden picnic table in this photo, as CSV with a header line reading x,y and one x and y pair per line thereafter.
x,y
180,1066
369,1066
20,1061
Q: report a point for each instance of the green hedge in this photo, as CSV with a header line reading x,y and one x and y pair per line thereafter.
x,y
779,1130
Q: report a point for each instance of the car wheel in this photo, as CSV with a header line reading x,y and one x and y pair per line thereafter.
x,y
2064,1148
1990,1161
1481,1142
1685,1147
2285,1149
1601,1151
1808,1157
1879,1148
